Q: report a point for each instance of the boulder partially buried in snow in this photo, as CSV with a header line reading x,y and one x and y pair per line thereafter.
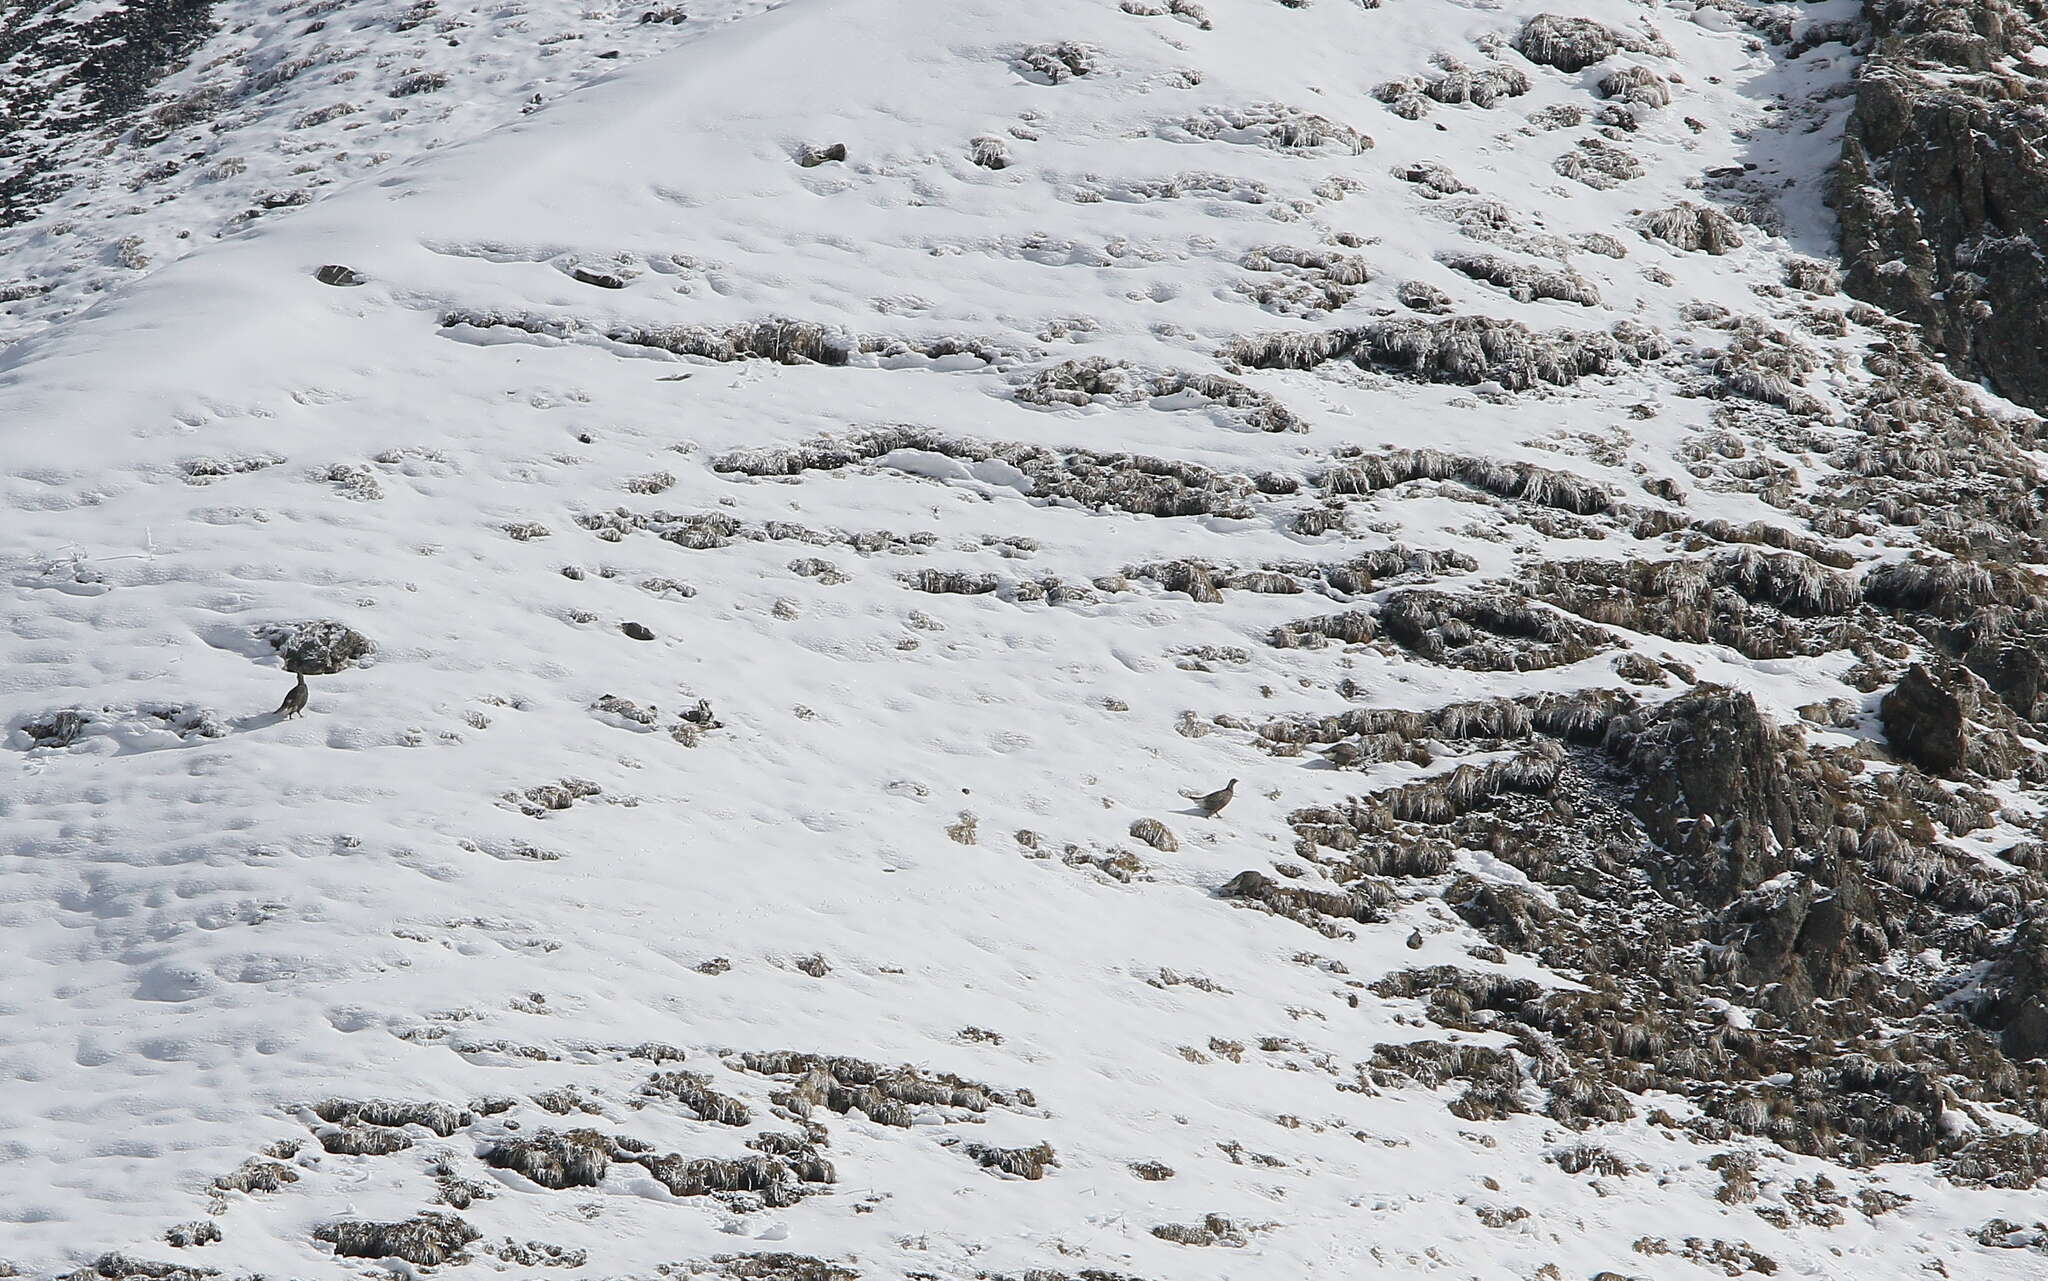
x,y
320,647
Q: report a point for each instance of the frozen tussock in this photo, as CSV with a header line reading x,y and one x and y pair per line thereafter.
x,y
1524,282
1460,349
429,1238
1569,44
1638,85
1693,228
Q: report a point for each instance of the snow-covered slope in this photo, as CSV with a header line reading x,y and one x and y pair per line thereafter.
x,y
802,593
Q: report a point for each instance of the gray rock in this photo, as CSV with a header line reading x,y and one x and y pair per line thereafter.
x,y
320,647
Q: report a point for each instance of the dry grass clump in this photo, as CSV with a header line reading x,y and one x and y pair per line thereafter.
x,y
1763,362
989,151
1352,627
1813,275
1026,1163
1133,483
1752,601
442,1118
786,342
1498,632
1598,164
1317,909
1276,125
428,1238
884,1094
574,1159
1638,85
1214,1229
1460,350
1524,282
693,1090
1059,61
1156,834
1569,44
1692,227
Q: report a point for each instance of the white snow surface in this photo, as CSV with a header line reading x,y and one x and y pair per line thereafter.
x,y
206,934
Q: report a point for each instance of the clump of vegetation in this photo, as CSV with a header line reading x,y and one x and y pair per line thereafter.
x,y
428,1239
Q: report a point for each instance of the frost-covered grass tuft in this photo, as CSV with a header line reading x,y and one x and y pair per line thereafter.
x,y
1525,282
989,151
1569,44
1693,228
1638,85
1063,60
428,1239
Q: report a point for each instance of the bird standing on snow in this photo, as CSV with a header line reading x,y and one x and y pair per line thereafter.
x,y
294,702
1213,803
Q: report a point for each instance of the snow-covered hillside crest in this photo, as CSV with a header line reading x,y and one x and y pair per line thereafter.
x,y
779,536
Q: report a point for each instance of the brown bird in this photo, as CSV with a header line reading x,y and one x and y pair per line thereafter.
x,y
295,701
1213,803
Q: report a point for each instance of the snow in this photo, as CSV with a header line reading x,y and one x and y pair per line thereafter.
x,y
209,932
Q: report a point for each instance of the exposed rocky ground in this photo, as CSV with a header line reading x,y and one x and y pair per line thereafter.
x,y
781,539
1943,191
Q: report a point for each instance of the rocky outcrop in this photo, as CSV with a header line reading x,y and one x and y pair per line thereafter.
x,y
63,75
1924,721
1733,797
1943,188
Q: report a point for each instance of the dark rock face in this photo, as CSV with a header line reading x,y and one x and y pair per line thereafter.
x,y
61,77
1731,796
1943,189
1924,721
